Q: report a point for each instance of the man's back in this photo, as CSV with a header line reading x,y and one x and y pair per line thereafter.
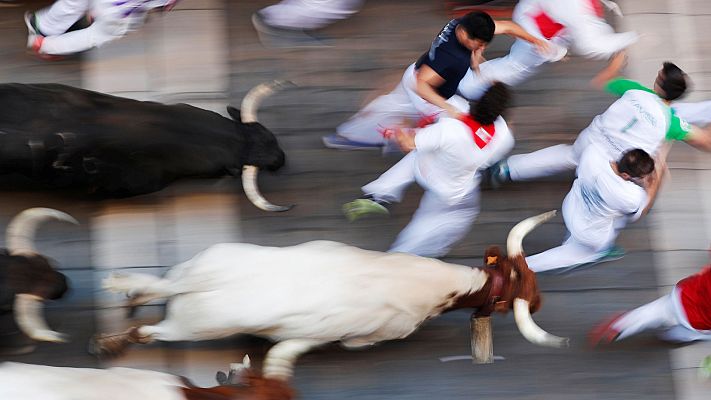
x,y
598,197
638,119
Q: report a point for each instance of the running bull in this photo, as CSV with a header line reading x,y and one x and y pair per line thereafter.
x,y
319,292
116,147
27,278
40,382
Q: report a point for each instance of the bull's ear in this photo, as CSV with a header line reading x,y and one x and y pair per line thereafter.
x,y
492,255
234,113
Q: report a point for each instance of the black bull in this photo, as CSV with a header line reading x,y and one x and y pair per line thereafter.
x,y
112,146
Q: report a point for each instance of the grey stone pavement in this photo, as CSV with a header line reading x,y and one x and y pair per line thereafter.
x,y
207,53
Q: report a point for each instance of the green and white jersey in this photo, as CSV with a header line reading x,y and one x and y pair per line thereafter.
x,y
639,119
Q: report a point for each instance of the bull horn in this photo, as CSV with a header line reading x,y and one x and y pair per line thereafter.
x,y
522,313
514,242
21,230
249,183
532,332
251,101
28,315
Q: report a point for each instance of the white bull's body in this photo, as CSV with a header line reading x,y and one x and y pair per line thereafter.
x,y
325,291
39,382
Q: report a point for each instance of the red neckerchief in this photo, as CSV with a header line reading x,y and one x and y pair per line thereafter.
x,y
482,134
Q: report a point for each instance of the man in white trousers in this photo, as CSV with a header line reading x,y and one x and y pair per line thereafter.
x,y
607,194
428,83
111,19
445,159
684,314
578,25
640,118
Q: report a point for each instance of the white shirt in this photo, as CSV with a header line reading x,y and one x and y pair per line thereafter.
x,y
637,120
448,159
600,198
583,30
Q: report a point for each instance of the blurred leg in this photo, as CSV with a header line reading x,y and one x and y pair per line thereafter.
x,y
391,185
100,32
436,226
657,314
545,162
570,253
60,16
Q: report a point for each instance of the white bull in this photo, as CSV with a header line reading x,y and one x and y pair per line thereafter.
x,y
319,292
41,382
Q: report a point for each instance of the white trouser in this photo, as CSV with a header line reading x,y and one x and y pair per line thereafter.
x,y
548,161
436,224
388,111
666,313
522,62
694,113
574,250
61,15
308,14
110,22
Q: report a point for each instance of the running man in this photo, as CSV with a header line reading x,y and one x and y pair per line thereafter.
x,y
606,195
684,314
640,118
578,25
112,19
428,83
445,159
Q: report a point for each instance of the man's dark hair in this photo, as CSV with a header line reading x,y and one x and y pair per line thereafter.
x,y
674,81
478,25
492,104
636,163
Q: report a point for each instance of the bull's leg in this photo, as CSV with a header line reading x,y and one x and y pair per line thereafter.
x,y
144,286
280,359
115,344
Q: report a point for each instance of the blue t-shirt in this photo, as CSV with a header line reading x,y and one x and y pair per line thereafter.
x,y
448,58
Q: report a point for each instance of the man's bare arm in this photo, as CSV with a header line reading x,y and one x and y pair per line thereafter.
x,y
700,138
427,83
611,71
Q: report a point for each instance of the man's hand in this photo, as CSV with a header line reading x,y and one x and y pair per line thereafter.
x,y
405,139
477,58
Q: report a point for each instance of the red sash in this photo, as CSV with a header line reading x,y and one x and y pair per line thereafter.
x,y
549,27
482,134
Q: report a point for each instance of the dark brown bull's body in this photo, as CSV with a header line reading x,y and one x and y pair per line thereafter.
x,y
67,137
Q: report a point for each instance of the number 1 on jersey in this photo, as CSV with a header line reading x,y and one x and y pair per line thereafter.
x,y
630,125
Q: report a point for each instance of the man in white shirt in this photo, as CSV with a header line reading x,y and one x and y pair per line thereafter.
x,y
48,36
640,118
446,159
578,25
605,196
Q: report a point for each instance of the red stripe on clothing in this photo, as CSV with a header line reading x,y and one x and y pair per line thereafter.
x,y
482,134
597,8
696,298
548,27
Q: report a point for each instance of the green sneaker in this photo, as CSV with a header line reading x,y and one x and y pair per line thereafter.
x,y
361,207
705,368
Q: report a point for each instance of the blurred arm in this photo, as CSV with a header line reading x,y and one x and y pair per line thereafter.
x,y
427,83
515,30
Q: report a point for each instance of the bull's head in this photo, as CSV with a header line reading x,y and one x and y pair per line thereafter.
x,y
31,276
520,289
262,149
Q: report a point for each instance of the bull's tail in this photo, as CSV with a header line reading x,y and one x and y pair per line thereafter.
x,y
141,288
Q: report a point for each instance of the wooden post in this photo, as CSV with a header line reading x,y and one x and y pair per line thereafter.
x,y
482,341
